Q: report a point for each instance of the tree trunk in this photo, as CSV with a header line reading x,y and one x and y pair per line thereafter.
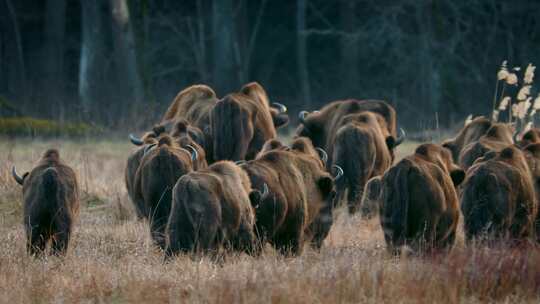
x,y
301,53
127,76
225,75
93,61
349,47
52,88
12,65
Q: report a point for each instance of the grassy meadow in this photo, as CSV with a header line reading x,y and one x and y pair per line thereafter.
x,y
112,259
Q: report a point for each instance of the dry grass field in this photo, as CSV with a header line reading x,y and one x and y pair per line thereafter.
x,y
112,260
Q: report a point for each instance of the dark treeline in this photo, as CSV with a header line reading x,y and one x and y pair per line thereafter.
x,y
114,61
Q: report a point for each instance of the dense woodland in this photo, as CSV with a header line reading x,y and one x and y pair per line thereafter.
x,y
117,62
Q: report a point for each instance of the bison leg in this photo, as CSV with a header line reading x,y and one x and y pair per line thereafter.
x,y
290,240
246,240
353,197
60,238
37,240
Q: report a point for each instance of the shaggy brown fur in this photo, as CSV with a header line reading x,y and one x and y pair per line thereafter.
x,y
192,104
240,126
212,209
183,136
498,198
360,148
418,201
255,91
160,168
322,126
471,132
51,204
532,154
497,137
299,204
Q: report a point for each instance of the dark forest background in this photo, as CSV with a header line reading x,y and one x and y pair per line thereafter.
x,y
119,63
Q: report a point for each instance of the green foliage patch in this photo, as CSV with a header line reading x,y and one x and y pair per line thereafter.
x,y
34,127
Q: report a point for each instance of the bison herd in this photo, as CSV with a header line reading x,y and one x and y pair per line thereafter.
x,y
213,176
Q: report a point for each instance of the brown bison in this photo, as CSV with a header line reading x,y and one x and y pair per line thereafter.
x,y
532,155
298,200
182,136
497,137
278,111
418,204
161,166
240,126
193,106
471,132
360,147
51,203
321,126
498,199
212,208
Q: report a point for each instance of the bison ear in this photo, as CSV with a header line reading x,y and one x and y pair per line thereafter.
x,y
390,142
255,197
457,175
326,184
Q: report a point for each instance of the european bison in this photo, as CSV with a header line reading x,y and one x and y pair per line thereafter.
x,y
278,111
418,204
212,208
532,155
51,203
160,168
497,137
321,126
299,199
471,132
182,136
498,199
240,125
361,148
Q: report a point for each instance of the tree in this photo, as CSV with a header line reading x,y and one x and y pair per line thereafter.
x,y
224,73
301,53
93,60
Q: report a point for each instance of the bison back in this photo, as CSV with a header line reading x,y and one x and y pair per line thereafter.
x,y
232,130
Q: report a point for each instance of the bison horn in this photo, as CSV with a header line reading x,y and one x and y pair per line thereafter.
x,y
302,116
194,153
240,162
148,147
322,154
16,176
282,108
401,137
265,191
135,140
339,172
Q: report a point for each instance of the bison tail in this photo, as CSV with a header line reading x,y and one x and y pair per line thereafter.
x,y
481,191
354,152
231,130
394,210
50,184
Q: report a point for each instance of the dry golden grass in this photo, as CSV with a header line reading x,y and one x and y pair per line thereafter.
x,y
112,258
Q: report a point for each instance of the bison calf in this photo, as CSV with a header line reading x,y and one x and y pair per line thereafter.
x,y
418,202
51,203
212,208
